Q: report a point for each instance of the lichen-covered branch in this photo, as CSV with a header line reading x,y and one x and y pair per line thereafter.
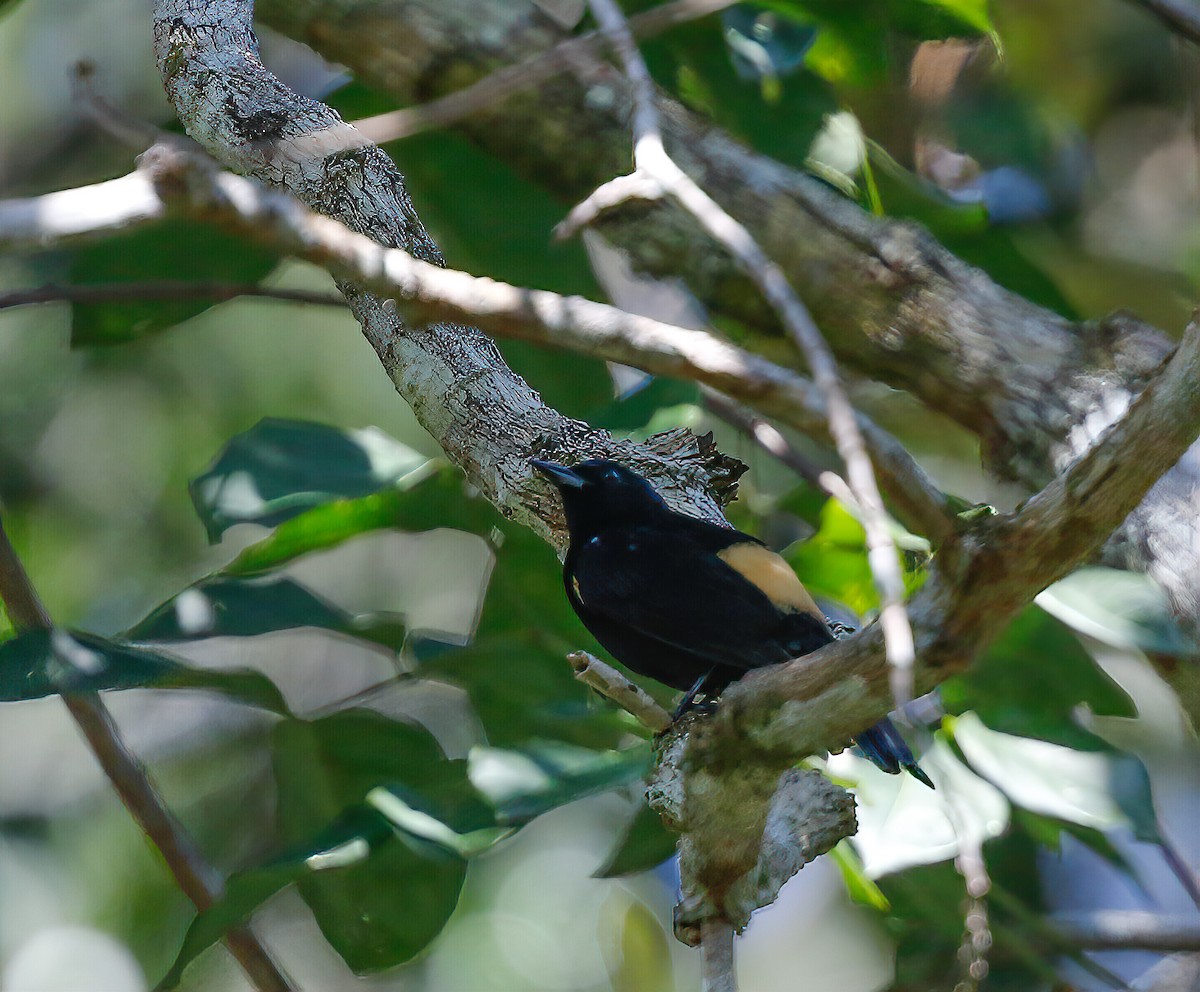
x,y
486,418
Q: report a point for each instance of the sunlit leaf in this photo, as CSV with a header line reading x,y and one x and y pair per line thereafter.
x,y
901,823
833,562
228,607
42,663
1056,781
280,468
1125,609
380,912
540,776
1030,681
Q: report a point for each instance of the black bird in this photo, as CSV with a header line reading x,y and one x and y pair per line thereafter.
x,y
686,602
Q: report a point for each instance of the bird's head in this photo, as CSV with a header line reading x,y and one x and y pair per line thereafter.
x,y
599,493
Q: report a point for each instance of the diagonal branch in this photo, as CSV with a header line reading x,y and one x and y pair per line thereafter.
x,y
782,713
427,292
200,882
168,290
653,164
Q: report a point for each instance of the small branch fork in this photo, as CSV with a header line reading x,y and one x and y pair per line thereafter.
x,y
656,174
200,882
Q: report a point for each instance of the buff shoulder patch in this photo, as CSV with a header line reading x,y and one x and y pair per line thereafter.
x,y
770,573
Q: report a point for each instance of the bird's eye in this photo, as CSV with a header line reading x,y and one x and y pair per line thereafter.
x,y
612,474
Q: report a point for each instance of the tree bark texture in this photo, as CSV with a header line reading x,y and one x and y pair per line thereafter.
x,y
1037,388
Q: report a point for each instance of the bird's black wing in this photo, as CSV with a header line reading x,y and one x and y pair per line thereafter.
x,y
677,588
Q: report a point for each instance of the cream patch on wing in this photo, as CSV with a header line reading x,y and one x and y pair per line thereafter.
x,y
772,575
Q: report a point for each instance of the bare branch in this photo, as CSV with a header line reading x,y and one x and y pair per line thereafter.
x,y
716,943
631,697
654,164
1127,929
511,79
166,290
200,882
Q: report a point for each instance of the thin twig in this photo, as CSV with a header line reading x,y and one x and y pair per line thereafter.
x,y
762,433
200,882
652,162
161,290
716,946
505,82
631,697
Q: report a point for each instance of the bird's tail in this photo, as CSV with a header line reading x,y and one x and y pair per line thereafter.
x,y
883,746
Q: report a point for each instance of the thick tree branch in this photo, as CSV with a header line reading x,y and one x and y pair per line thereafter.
x,y
486,418
199,881
513,79
791,710
896,306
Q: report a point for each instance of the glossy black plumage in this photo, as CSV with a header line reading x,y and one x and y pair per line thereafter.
x,y
686,602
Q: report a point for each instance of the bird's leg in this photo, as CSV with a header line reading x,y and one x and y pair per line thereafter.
x,y
700,688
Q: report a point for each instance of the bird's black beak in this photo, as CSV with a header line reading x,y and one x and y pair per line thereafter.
x,y
560,475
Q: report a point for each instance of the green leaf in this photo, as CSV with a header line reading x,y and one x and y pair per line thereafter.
x,y
634,411
1048,831
380,912
1030,682
230,607
43,663
162,251
833,562
280,468
972,13
645,844
524,783
352,839
777,110
1124,609
1055,781
859,886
